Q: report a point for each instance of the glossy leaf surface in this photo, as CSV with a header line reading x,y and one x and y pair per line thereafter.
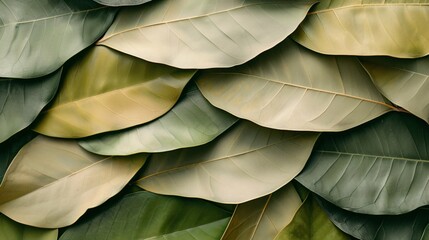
x,y
37,37
10,230
191,122
46,167
228,169
378,168
144,215
372,27
403,81
264,217
412,226
292,88
116,91
204,33
22,100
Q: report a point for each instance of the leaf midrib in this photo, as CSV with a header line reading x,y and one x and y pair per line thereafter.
x,y
372,156
367,5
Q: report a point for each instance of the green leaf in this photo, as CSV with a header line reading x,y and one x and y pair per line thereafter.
x,y
403,81
10,230
192,122
410,226
311,222
52,182
116,91
22,100
37,37
204,33
263,218
377,168
116,3
143,215
395,28
228,169
292,88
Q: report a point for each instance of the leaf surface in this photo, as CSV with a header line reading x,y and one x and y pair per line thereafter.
x,y
117,3
10,230
191,122
403,81
52,182
263,218
144,215
116,91
37,37
228,169
377,168
292,88
22,100
394,28
204,33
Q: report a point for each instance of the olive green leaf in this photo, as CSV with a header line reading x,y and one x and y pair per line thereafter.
x,y
117,3
144,215
52,182
37,37
403,81
192,122
10,230
204,33
311,223
116,91
395,28
263,218
292,88
410,226
22,100
377,168
244,163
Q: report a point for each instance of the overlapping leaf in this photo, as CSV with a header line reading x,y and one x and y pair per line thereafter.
x,y
22,100
117,3
292,88
10,230
378,168
204,33
52,182
263,218
37,37
412,226
116,91
192,122
311,223
244,163
143,215
395,28
403,81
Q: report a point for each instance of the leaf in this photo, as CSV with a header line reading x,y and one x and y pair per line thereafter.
x,y
264,217
117,91
10,148
52,182
377,168
10,230
143,215
116,3
192,122
22,100
292,88
410,226
403,81
395,28
228,169
204,33
37,37
310,222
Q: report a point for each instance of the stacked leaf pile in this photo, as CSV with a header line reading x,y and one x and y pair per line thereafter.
x,y
214,119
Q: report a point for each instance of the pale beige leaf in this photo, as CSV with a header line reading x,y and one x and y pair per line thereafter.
x,y
246,162
52,182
